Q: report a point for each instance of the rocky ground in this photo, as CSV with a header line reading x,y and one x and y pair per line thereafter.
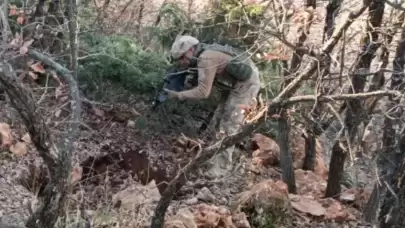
x,y
122,152
121,164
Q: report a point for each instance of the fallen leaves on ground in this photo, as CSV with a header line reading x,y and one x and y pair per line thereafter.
x,y
203,215
26,138
266,150
19,149
308,183
38,67
5,135
268,199
356,196
184,148
136,195
307,205
323,209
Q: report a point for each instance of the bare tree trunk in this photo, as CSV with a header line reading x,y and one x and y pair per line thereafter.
x,y
393,153
335,174
310,150
56,157
378,80
72,22
331,13
354,111
283,125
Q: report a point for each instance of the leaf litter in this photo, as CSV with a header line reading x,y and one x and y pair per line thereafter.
x,y
121,158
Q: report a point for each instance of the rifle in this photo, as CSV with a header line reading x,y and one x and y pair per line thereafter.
x,y
174,80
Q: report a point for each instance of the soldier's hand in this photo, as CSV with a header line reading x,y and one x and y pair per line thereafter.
x,y
172,94
188,83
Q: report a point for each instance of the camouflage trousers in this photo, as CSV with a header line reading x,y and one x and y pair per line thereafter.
x,y
228,120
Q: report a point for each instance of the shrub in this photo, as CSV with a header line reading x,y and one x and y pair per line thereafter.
x,y
121,61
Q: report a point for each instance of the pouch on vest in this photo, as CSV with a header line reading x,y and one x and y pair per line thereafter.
x,y
239,70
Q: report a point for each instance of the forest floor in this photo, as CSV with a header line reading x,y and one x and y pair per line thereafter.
x,y
116,143
119,138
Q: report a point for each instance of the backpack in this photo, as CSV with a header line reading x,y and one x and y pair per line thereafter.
x,y
240,66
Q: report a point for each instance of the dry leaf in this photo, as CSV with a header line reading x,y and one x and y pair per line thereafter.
x,y
23,50
58,91
33,75
5,134
307,205
17,41
98,112
56,77
37,67
28,43
19,149
13,10
26,138
76,174
20,19
58,112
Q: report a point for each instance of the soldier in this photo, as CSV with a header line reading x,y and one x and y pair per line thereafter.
x,y
228,68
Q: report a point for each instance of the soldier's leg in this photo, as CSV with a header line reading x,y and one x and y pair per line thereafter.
x,y
231,123
213,125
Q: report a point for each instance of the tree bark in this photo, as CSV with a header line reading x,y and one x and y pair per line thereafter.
x,y
286,161
274,106
335,174
310,150
370,211
56,157
354,111
331,12
393,206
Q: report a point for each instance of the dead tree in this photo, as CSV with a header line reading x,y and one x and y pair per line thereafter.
x,y
282,99
56,156
370,210
353,108
391,162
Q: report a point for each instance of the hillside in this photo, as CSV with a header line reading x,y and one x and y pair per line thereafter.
x,y
81,145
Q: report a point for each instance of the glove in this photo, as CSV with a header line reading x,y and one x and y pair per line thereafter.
x,y
172,94
189,82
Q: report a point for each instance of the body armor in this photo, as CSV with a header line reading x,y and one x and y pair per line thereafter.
x,y
238,68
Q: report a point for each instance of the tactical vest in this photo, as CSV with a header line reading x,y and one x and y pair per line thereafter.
x,y
240,66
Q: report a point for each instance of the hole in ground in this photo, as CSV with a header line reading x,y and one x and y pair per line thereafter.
x,y
132,162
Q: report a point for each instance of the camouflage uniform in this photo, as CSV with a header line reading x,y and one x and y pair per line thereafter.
x,y
229,117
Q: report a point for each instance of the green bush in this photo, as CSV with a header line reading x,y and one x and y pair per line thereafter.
x,y
120,61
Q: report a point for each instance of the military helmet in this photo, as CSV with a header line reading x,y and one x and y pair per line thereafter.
x,y
182,44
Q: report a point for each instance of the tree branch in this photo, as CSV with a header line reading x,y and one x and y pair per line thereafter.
x,y
175,184
288,91
56,157
350,96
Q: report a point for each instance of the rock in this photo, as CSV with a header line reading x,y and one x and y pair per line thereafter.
x,y
309,184
240,220
137,194
266,150
347,197
221,164
265,201
298,145
12,221
203,215
335,211
131,124
192,201
183,219
307,205
205,195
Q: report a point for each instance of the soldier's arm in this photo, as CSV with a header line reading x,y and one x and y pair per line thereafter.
x,y
206,75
